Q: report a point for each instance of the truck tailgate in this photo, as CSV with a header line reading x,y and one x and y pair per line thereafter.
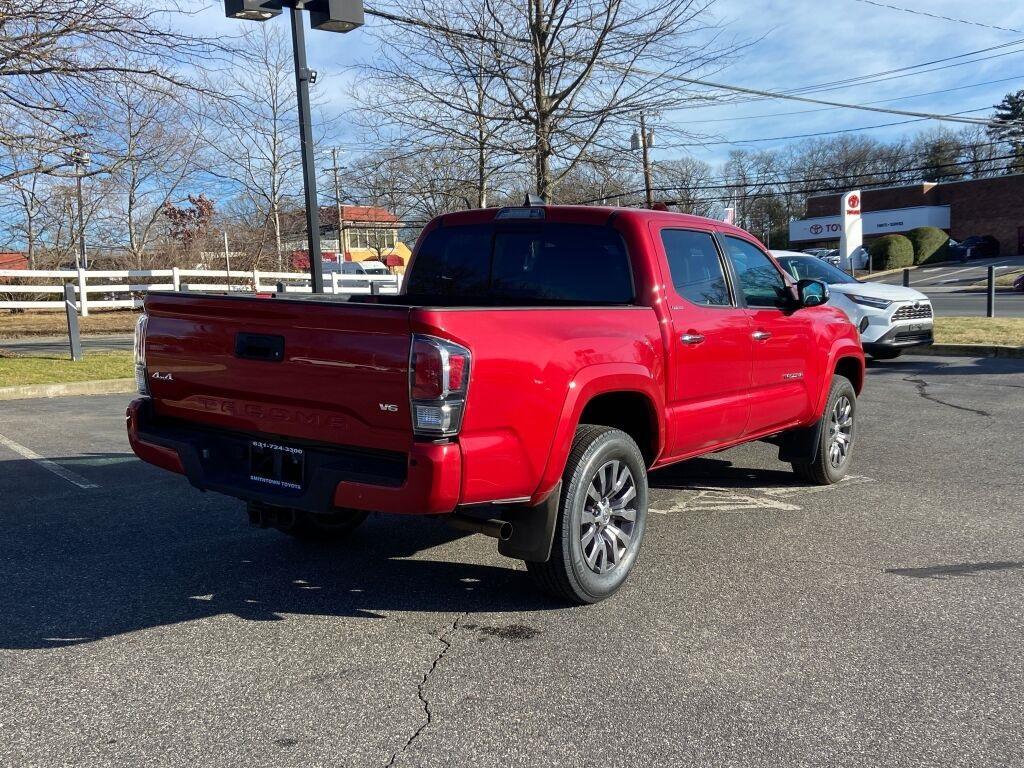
x,y
333,372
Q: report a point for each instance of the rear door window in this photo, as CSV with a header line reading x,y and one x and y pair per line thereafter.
x,y
696,267
530,263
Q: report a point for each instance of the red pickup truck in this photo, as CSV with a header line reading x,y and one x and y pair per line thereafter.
x,y
538,363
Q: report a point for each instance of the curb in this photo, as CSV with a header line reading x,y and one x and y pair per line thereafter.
x,y
68,389
968,350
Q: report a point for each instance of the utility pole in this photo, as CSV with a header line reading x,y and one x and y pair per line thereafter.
x,y
647,139
644,141
337,201
81,160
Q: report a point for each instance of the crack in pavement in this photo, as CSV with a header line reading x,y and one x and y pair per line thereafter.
x,y
428,714
922,390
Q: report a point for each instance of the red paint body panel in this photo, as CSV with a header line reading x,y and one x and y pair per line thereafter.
x,y
157,455
344,375
433,486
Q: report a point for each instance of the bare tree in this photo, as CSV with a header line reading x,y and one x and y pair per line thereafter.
x,y
560,80
56,56
431,91
155,138
689,183
578,72
252,136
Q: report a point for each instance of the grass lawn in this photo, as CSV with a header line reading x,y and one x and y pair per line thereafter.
x,y
980,330
15,326
20,371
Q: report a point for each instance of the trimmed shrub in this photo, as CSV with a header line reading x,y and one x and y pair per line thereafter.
x,y
891,252
931,245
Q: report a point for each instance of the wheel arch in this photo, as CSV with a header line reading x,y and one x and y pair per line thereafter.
x,y
624,396
852,368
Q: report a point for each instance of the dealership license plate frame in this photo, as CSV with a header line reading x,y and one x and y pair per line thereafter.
x,y
276,465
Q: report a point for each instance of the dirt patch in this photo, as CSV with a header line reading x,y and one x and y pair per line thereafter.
x,y
28,324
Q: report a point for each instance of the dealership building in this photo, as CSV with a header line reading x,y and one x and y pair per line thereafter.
x,y
993,206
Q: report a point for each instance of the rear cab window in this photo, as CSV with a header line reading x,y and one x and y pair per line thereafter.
x,y
508,263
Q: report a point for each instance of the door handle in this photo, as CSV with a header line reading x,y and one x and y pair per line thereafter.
x,y
693,339
761,335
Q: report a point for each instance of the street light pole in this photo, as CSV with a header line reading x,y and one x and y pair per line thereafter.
x,y
302,78
329,16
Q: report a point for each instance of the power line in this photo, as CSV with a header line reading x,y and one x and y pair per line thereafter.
x,y
937,16
846,179
881,77
829,109
822,133
690,80
805,99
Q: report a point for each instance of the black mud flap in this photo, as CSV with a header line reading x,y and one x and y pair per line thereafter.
x,y
533,529
799,445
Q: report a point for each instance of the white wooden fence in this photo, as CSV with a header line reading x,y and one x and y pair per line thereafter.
x,y
112,289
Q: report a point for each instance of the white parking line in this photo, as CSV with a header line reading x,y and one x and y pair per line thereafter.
x,y
72,477
971,268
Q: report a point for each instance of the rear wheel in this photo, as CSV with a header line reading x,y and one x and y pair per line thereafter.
x,y
836,434
601,518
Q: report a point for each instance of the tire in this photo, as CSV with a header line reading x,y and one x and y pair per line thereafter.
x,y
886,354
591,560
831,462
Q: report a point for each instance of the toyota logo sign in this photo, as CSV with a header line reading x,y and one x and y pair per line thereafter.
x,y
854,201
817,229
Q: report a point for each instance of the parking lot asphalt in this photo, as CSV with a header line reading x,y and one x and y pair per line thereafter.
x,y
768,623
953,291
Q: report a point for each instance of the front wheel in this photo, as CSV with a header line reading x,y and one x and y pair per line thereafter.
x,y
837,431
601,518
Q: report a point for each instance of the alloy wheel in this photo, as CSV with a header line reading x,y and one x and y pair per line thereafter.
x,y
609,517
840,432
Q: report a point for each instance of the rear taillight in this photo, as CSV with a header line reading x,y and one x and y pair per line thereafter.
x,y
438,381
141,376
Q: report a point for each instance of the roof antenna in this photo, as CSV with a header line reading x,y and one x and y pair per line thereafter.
x,y
534,201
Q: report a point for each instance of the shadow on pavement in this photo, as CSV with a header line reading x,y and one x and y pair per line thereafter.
x,y
720,473
959,569
147,550
988,366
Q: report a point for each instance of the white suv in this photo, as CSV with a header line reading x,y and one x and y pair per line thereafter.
x,y
890,318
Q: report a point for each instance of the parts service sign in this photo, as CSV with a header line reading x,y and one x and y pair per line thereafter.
x,y
852,236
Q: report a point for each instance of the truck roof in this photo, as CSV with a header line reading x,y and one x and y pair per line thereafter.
x,y
592,214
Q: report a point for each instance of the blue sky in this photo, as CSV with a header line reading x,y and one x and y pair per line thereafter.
x,y
799,43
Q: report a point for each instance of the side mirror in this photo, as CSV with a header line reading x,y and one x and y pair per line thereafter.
x,y
812,293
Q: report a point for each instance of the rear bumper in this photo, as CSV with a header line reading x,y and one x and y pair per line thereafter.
x,y
425,481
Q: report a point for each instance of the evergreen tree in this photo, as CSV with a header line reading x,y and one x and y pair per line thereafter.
x,y
1008,125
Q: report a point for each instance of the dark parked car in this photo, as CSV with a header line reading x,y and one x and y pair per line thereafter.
x,y
974,247
1018,284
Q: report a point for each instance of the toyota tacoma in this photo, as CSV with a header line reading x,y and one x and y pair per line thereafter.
x,y
537,364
